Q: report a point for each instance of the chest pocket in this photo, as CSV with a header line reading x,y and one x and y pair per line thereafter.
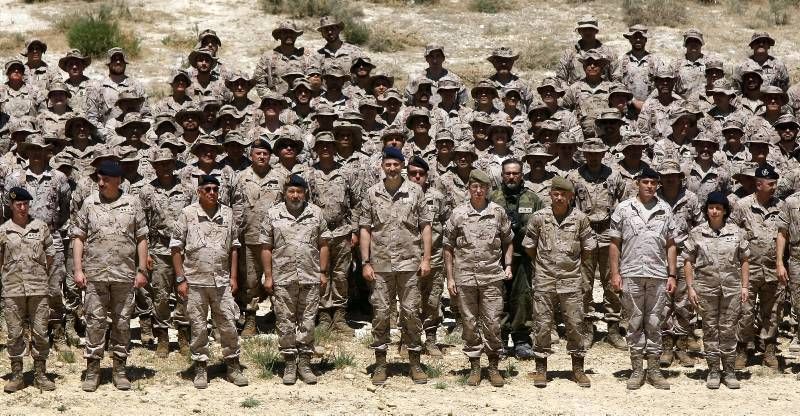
x,y
206,233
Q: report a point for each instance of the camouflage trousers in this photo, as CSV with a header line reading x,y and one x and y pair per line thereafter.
x,y
481,308
108,300
643,299
597,263
21,311
223,314
793,287
430,289
385,289
764,300
162,284
678,312
720,309
545,305
341,255
295,308
517,303
58,274
73,297
250,271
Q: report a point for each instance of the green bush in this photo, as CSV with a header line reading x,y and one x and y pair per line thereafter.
x,y
654,12
489,6
94,34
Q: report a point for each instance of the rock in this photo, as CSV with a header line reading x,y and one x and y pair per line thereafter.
x,y
372,389
349,376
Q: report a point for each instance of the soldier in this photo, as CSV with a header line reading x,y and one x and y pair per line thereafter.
x,y
110,239
395,245
206,150
502,59
758,215
162,201
37,73
643,251
205,81
16,97
204,255
454,182
556,239
478,256
179,82
26,255
538,178
436,72
255,191
622,183
277,62
773,71
714,253
788,256
335,51
569,68
692,66
74,63
704,174
633,70
103,98
654,117
588,96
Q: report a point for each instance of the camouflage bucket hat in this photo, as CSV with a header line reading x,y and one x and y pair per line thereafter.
x,y
23,124
205,140
58,86
33,42
705,137
190,109
63,160
209,33
608,115
742,169
663,71
170,140
669,167
116,51
761,35
103,153
482,118
418,113
327,21
128,154
507,91
722,86
178,73
503,52
161,155
769,90
341,126
551,82
693,33
74,54
374,77
787,120
393,131
286,26
234,76
210,103
750,68
335,71
370,101
129,95
300,82
731,124
536,105
323,137
236,136
166,118
714,63
537,150
228,110
272,96
77,117
289,136
483,85
633,139
14,62
352,116
592,55
466,147
361,60
502,126
418,83
618,88
390,94
587,22
758,137
448,82
132,120
55,137
432,47
444,135
33,141
198,52
593,145
641,29
551,125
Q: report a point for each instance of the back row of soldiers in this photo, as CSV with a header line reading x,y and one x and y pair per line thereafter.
x,y
226,148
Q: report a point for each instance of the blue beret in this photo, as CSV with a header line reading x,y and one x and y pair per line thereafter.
x,y
718,197
297,180
109,168
393,153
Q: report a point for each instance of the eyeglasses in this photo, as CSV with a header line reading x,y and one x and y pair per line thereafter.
x,y
417,173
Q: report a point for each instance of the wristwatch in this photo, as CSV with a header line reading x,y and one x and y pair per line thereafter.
x,y
180,279
366,261
672,276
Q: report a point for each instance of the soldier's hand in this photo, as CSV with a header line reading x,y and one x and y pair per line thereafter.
x,y
268,284
745,295
80,279
616,282
368,273
451,287
234,285
672,284
323,279
149,263
693,298
783,276
183,289
353,240
425,268
508,273
140,280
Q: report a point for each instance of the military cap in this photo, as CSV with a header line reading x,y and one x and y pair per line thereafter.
x,y
714,63
235,136
76,117
501,125
693,33
722,86
561,183
587,22
551,82
420,112
102,153
198,52
761,35
787,120
323,137
767,90
444,135
705,137
369,101
327,21
391,94
335,71
19,194
286,26
758,137
207,180
116,51
74,54
313,69
632,139
297,181
669,167
128,154
503,52
168,140
393,153
393,131
31,43
766,171
466,147
188,109
618,88
298,83
432,47
448,82
261,143
676,113
63,159
732,124
205,140
718,198
288,137
129,95
373,77
751,68
641,29
178,72
109,168
479,176
594,55
418,83
648,173
565,137
234,76
608,115
272,96
593,145
55,137
34,140
551,125
58,86
743,169
14,62
209,33
536,105
324,110
133,119
663,70
228,110
482,118
483,85
23,124
345,125
363,60
537,150
161,155
419,162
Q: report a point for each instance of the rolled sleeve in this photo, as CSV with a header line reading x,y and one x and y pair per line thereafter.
x,y
531,240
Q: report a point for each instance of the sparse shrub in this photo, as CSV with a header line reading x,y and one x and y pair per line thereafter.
x,y
263,353
489,6
654,12
96,33
250,403
344,359
355,31
389,39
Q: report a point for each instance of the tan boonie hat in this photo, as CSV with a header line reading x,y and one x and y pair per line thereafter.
x,y
130,120
448,82
300,82
23,124
391,94
669,167
58,86
593,145
466,147
732,124
393,131
129,95
552,125
171,140
565,137
335,71
76,117
562,184
587,21
418,83
206,140
178,72
326,21
592,55
198,52
128,154
551,82
444,135
323,137
787,120
352,116
663,70
375,76
370,101
104,152
503,52
758,137
30,43
33,141
750,67
364,60
209,33
189,109
743,169
705,137
722,86
641,29
324,110
482,118
633,139
773,90
236,136
166,117
503,126
761,35
286,26
74,54
506,91
714,63
15,62
537,150
483,85
116,51
693,33
432,47
479,176
420,112
63,159
270,95
161,155
536,105
608,115
237,75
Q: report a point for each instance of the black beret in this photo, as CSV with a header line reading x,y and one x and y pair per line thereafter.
x,y
766,171
648,173
207,180
19,194
297,180
419,162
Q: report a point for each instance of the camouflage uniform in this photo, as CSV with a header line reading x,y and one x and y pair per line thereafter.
x,y
587,101
634,74
22,102
431,287
789,224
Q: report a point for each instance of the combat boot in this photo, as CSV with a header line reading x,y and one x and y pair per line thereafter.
x,y
495,378
118,376
795,345
379,372
15,382
339,324
474,377
304,369
92,378
146,330
578,372
682,353
713,378
741,356
636,379
729,373
249,329
59,338
40,379
200,375
430,345
324,320
415,368
233,372
523,351
540,378
654,375
770,360
162,347
667,353
69,330
403,351
184,334
290,371
693,343
614,338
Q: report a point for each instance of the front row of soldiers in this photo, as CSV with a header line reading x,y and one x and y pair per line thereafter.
x,y
400,224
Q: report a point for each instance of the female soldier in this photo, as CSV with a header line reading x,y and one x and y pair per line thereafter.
x,y
713,255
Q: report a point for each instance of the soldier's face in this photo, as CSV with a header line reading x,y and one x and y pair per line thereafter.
x,y
379,87
240,88
632,153
79,130
773,102
75,67
478,191
618,101
448,96
331,33
593,158
325,150
760,46
206,154
208,195
57,98
511,101
35,53
788,132
682,126
334,83
391,106
435,59
444,149
287,38
751,82
164,169
393,141
287,153
315,80
715,212
229,123
233,149
479,131
663,85
484,97
302,95
259,157
549,95
180,84
503,65
392,168
16,74
37,155
420,126
733,137
210,43
766,187
108,185
363,70
566,150
705,150
500,139
537,164
344,140
417,175
713,75
647,188
759,152
271,108
203,63
593,68
368,112
295,196
539,115
721,99
423,95
560,199
116,65
20,209
671,181
693,46
463,160
190,123
587,33
638,41
512,175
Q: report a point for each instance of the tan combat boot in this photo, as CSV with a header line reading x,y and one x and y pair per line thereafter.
x,y
578,372
339,324
667,353
184,335
540,378
233,372
729,373
118,376
92,378
770,358
415,368
59,337
250,328
614,338
654,375
636,379
474,377
146,330
682,353
794,346
304,369
495,378
162,348
693,343
40,379
200,375
15,382
713,378
741,356
290,370
324,320
430,345
379,372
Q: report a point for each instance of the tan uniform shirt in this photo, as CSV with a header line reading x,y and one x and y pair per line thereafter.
x,y
477,239
253,195
335,194
761,224
25,251
644,234
206,243
162,207
295,243
717,258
